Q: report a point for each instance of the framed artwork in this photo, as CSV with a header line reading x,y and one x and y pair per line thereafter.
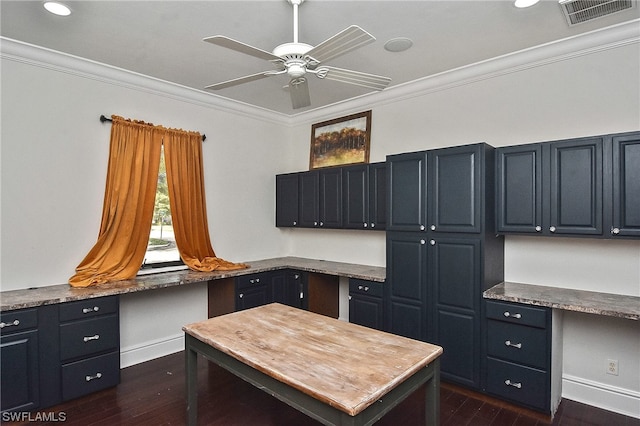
x,y
341,141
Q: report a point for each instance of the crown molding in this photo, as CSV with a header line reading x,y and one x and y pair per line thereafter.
x,y
561,50
31,54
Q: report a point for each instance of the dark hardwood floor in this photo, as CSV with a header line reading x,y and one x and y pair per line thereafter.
x,y
152,394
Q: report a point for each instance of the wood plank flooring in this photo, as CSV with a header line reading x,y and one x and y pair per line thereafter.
x,y
152,393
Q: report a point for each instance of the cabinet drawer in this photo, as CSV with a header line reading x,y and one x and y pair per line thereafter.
x,y
517,313
90,375
88,337
88,308
518,343
370,288
522,384
252,280
22,319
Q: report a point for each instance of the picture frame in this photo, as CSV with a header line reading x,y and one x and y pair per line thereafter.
x,y
341,141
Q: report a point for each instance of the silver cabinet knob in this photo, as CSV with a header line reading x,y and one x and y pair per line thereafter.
x,y
241,295
315,223
321,223
360,287
365,224
552,228
433,227
615,231
295,223
423,242
432,242
373,225
538,228
422,227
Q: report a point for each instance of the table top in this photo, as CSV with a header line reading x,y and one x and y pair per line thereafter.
x,y
341,364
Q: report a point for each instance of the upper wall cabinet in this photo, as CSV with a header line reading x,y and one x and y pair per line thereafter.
x,y
577,187
626,185
407,195
287,200
364,196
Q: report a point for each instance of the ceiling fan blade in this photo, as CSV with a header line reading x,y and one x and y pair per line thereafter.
x,y
241,80
238,46
358,78
299,91
341,43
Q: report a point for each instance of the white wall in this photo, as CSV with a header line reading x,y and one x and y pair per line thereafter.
x,y
54,161
54,154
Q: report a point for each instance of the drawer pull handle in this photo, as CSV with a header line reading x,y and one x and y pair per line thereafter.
x,y
9,324
89,338
509,315
89,310
513,345
365,288
514,384
90,378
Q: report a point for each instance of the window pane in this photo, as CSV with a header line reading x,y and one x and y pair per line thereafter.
x,y
162,244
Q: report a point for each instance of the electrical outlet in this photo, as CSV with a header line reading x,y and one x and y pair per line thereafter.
x,y
612,367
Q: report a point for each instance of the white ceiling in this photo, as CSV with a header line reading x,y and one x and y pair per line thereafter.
x,y
163,39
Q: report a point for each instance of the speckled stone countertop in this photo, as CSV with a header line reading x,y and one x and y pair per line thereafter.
x,y
48,295
613,305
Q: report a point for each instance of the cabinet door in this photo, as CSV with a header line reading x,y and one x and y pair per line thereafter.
x,y
331,198
519,188
576,187
288,288
366,311
355,192
455,189
309,199
406,192
405,288
626,185
287,200
253,296
455,282
378,196
19,371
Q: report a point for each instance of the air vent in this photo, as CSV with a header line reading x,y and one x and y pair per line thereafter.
x,y
579,11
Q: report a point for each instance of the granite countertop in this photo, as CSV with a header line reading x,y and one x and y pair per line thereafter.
x,y
48,295
613,305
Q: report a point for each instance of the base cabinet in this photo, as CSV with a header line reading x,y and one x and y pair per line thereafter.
x,y
519,355
54,353
365,303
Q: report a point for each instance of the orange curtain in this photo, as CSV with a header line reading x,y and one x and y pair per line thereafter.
x,y
127,213
185,180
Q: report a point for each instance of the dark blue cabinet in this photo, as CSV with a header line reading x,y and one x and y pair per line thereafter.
x,y
364,196
287,201
366,303
442,252
626,186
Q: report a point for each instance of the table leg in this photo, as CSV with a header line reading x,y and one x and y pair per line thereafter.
x,y
432,396
191,373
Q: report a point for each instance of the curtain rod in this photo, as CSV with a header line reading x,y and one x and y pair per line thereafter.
x,y
103,119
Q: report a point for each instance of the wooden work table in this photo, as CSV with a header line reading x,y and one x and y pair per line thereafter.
x,y
322,366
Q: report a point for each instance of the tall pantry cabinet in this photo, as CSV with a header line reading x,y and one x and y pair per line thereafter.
x,y
442,252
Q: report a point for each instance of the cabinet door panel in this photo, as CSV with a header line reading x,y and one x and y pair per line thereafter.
x,y
287,200
19,371
407,320
456,272
407,266
519,189
366,310
458,335
252,297
378,196
576,187
455,189
331,198
355,197
626,186
406,192
309,199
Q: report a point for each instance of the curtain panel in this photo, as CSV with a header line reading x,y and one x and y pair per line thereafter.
x,y
127,215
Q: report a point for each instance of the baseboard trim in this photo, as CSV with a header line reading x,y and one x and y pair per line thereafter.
x,y
611,398
151,350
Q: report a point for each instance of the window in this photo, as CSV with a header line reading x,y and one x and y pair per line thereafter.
x,y
162,250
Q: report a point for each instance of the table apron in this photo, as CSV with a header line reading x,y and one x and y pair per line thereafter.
x,y
299,400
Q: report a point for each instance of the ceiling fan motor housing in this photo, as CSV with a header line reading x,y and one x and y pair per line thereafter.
x,y
293,55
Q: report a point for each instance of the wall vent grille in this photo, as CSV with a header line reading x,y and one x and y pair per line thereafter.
x,y
579,11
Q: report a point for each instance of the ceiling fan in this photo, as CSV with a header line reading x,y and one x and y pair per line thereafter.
x,y
298,59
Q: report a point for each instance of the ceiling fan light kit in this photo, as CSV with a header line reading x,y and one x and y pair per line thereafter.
x,y
297,59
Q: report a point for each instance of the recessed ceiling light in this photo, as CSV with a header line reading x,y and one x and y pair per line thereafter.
x,y
57,8
525,3
398,44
